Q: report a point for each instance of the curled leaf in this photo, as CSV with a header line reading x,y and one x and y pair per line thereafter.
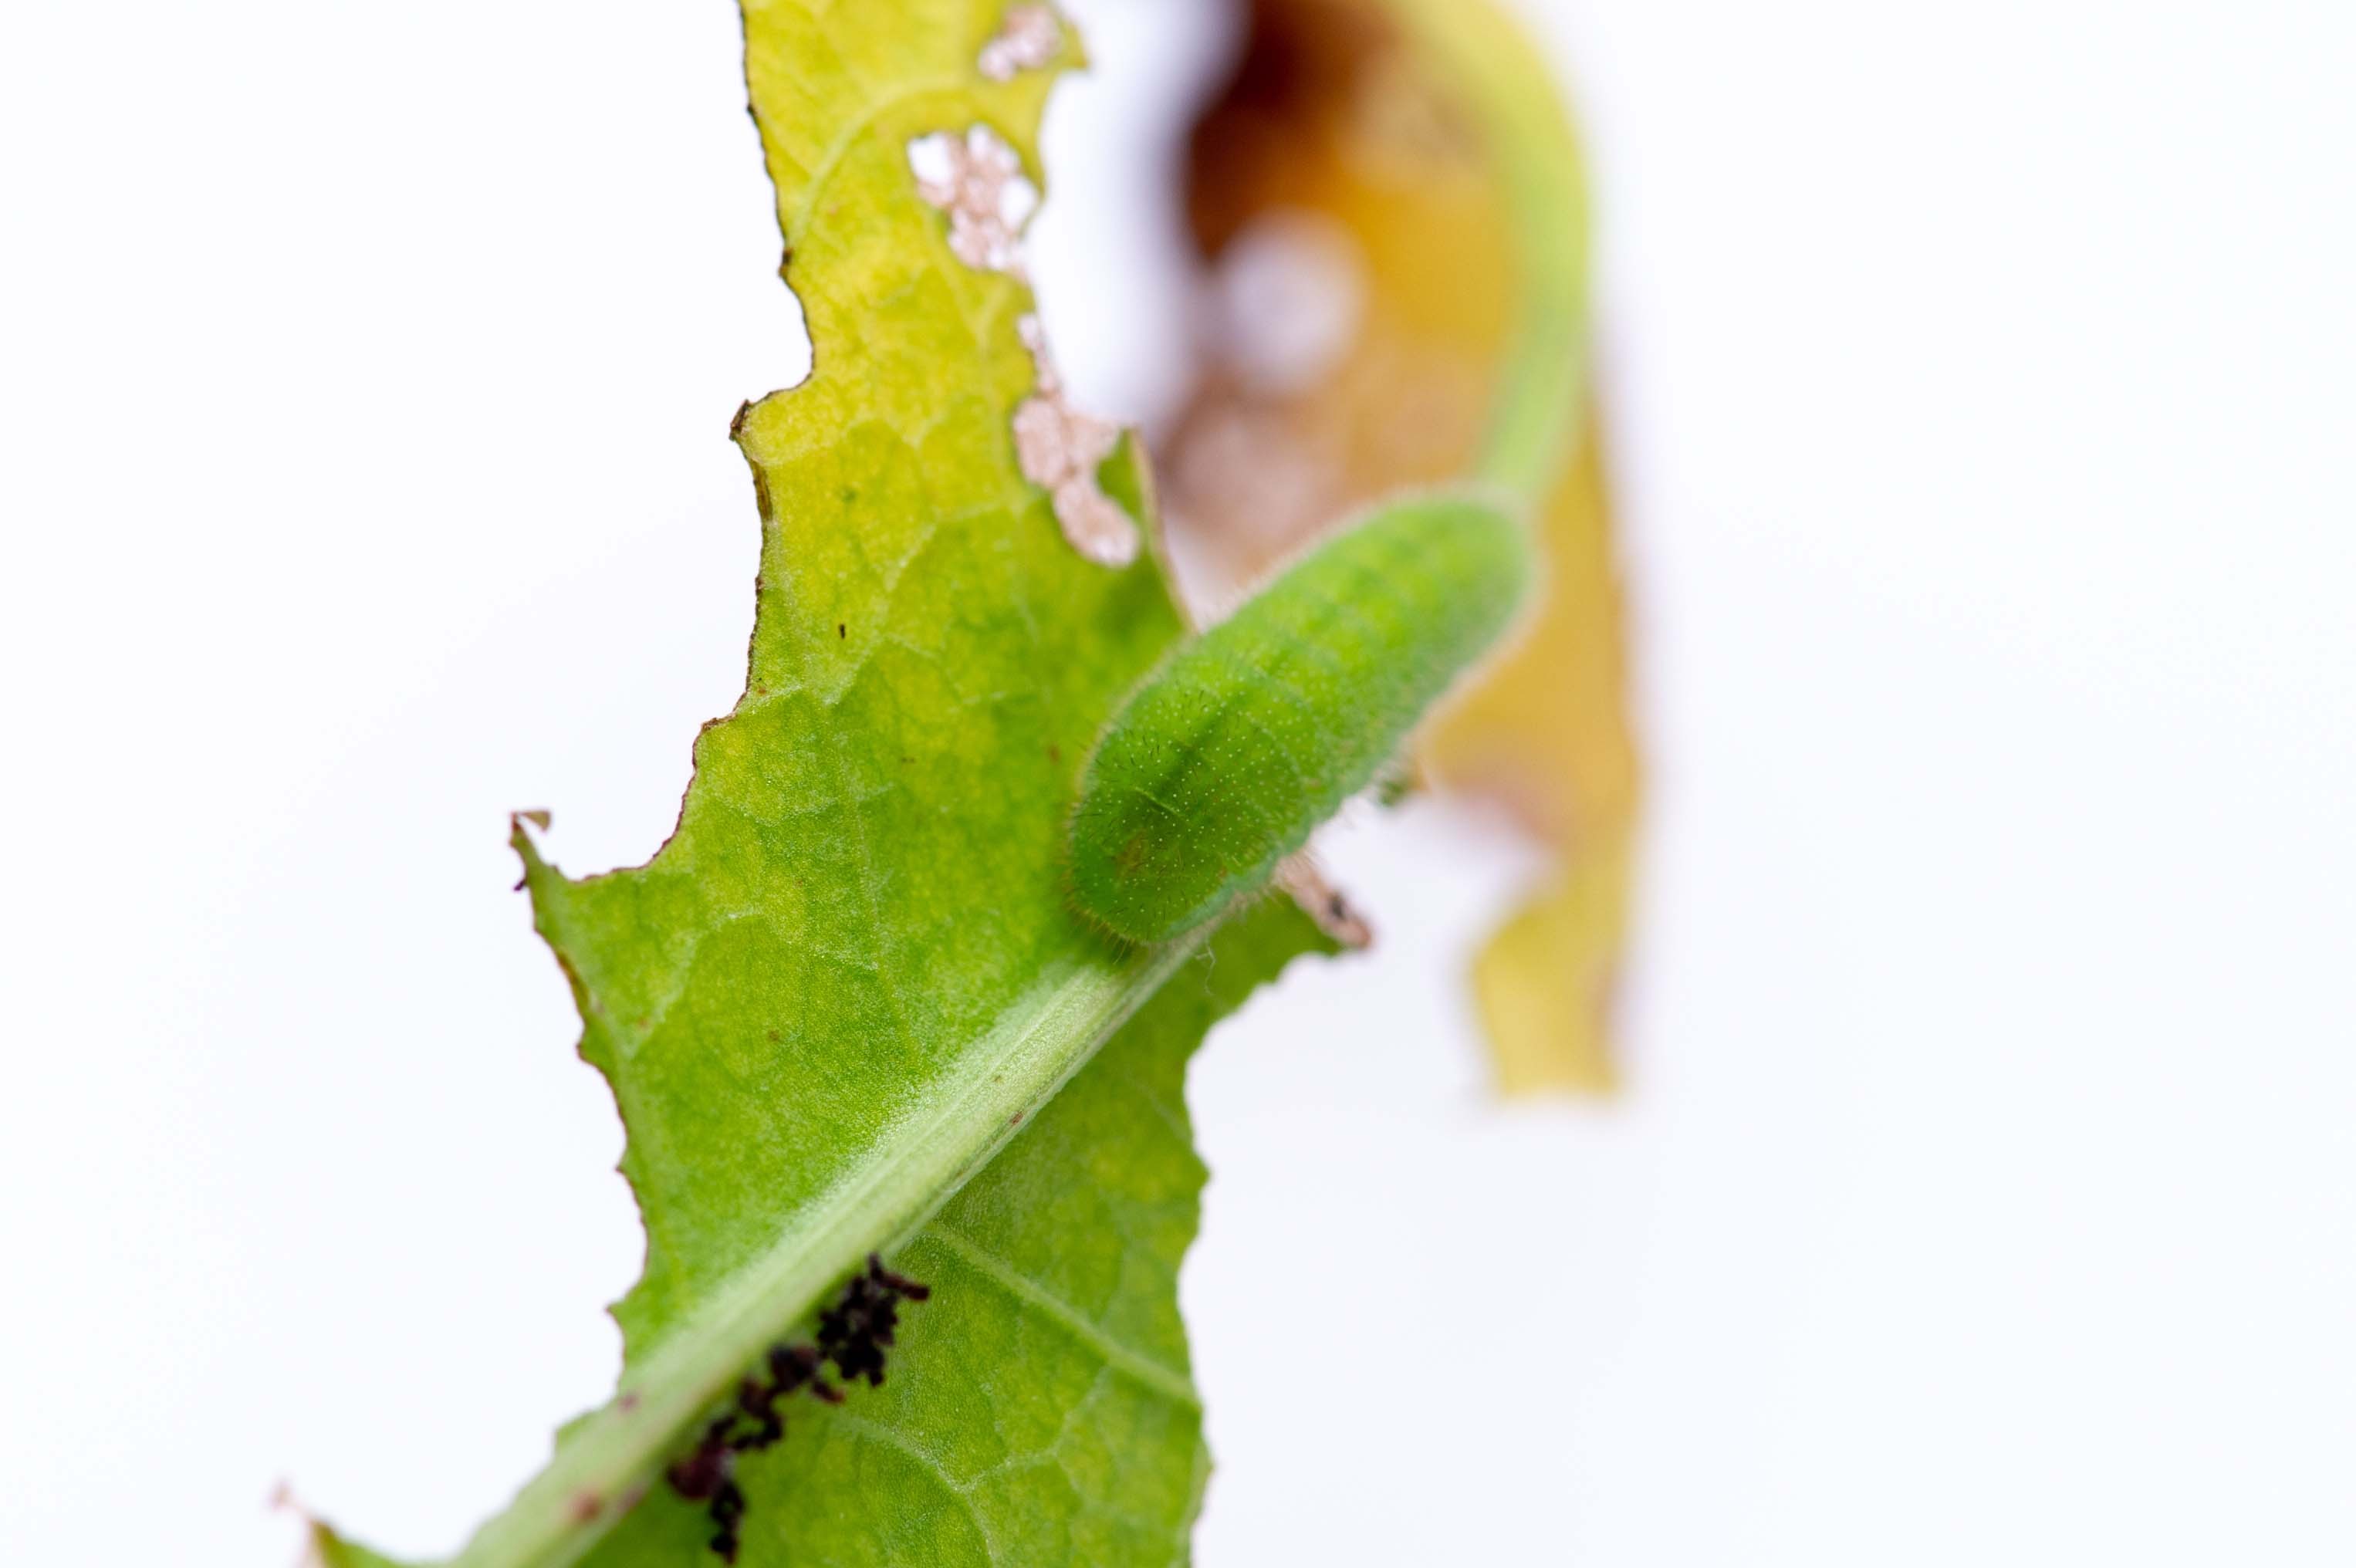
x,y
1389,198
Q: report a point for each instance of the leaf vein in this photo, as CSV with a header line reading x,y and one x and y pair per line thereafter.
x,y
1167,1382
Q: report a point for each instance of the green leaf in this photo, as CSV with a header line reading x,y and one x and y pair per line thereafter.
x,y
846,1008
1039,1408
849,976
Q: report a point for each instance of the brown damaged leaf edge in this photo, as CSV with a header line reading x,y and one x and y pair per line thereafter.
x,y
1353,156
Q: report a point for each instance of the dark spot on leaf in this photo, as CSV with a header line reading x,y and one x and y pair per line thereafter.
x,y
854,1334
857,1330
700,1475
759,1401
842,630
727,1508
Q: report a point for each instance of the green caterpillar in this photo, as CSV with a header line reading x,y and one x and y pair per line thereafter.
x,y
1226,757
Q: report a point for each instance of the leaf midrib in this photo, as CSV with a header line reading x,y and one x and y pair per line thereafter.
x,y
613,1455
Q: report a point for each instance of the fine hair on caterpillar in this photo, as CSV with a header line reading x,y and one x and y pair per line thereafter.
x,y
1224,758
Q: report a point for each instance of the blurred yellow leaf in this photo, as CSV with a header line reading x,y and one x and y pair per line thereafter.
x,y
1391,200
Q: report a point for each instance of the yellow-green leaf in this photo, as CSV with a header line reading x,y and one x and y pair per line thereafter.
x,y
849,977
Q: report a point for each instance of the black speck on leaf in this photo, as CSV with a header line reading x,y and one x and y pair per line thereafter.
x,y
854,1334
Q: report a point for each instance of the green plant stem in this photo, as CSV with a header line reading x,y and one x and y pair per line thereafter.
x,y
1503,81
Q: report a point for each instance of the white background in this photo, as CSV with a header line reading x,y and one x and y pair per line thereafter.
x,y
1984,394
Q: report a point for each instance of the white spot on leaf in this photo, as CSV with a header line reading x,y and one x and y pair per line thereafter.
x,y
1027,39
1287,301
1059,449
978,180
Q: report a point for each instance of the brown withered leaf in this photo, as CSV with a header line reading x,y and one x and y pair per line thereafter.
x,y
1363,204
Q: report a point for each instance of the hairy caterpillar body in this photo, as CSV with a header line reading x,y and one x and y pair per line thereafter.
x,y
1226,757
